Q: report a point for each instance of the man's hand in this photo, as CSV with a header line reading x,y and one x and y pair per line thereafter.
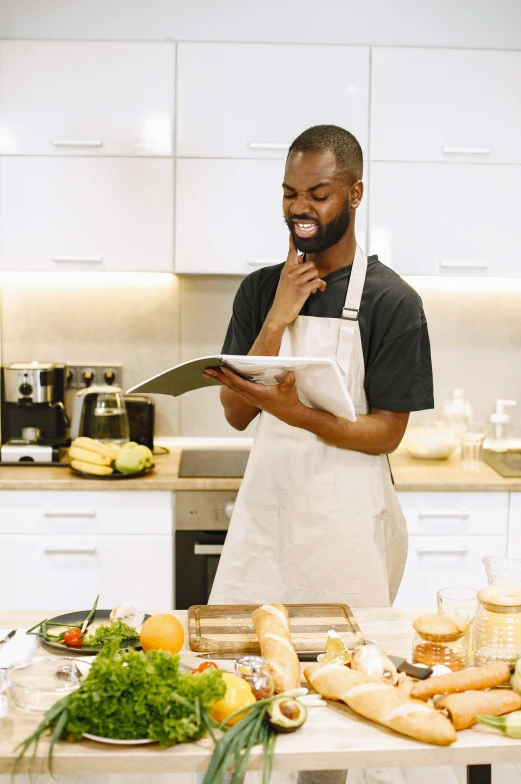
x,y
297,282
280,401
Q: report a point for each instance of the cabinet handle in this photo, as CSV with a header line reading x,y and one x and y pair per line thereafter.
x,y
70,550
443,514
90,513
466,150
77,142
441,551
263,262
445,264
208,549
268,145
78,259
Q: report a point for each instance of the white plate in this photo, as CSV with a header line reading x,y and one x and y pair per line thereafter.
x,y
117,742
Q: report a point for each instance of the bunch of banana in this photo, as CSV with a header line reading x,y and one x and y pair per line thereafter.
x,y
92,457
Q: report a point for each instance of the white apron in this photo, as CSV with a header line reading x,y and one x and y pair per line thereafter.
x,y
314,523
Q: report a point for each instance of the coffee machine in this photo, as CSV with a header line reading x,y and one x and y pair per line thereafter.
x,y
33,419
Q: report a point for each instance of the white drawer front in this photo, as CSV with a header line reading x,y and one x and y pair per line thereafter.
x,y
68,572
455,514
86,512
435,562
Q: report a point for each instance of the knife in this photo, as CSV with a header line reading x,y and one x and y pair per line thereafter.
x,y
8,637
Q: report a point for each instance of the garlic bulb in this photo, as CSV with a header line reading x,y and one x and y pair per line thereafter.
x,y
373,662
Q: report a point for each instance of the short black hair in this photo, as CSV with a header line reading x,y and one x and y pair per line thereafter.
x,y
340,142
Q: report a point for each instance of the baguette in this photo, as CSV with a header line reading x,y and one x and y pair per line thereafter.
x,y
463,708
473,679
386,705
271,624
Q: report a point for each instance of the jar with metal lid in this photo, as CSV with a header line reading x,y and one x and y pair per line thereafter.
x,y
254,670
497,625
441,639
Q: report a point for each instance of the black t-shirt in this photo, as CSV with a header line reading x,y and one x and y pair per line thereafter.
x,y
393,330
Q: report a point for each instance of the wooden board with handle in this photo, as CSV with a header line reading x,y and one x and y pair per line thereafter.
x,y
227,628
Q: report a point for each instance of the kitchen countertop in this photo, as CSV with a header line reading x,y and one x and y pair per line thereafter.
x,y
332,738
409,474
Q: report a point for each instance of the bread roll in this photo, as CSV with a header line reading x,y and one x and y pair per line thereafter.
x,y
386,705
473,678
463,708
271,624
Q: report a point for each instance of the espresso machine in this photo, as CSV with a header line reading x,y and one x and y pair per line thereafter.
x,y
33,419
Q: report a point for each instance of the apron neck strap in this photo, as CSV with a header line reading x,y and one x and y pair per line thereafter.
x,y
349,318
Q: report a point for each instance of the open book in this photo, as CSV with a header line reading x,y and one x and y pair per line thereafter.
x,y
319,381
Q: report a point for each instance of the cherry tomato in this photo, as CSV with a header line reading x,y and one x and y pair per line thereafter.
x,y
73,638
207,665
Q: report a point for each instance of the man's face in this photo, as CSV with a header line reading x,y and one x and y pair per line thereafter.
x,y
317,200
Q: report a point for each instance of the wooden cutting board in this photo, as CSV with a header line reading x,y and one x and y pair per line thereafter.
x,y
228,629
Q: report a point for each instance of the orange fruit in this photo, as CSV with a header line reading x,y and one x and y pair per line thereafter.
x,y
162,633
238,695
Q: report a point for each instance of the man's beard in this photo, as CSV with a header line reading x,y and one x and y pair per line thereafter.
x,y
327,235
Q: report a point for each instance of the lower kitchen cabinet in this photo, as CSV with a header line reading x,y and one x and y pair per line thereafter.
x,y
60,550
514,526
449,533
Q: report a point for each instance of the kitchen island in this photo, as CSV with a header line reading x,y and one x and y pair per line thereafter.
x,y
332,738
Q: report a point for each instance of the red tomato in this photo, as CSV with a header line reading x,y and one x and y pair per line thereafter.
x,y
73,638
207,665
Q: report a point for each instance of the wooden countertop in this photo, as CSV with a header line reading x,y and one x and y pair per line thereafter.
x,y
332,738
409,475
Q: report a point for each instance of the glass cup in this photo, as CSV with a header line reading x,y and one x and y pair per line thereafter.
x,y
110,419
472,444
462,602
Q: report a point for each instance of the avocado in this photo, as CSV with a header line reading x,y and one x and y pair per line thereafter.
x,y
286,714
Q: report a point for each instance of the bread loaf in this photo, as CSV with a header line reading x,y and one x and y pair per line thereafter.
x,y
271,624
463,708
386,705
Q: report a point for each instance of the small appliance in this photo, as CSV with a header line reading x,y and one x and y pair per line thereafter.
x,y
33,422
140,411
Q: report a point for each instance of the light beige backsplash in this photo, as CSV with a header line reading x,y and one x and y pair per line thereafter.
x,y
475,337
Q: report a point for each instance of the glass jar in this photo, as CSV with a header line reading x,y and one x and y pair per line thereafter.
x,y
441,639
254,670
497,625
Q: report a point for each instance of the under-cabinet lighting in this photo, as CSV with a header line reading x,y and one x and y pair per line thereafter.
x,y
79,278
446,283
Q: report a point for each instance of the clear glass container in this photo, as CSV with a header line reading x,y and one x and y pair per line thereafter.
x,y
254,670
36,685
441,639
110,418
497,625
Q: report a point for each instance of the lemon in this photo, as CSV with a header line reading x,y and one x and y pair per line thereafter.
x,y
238,695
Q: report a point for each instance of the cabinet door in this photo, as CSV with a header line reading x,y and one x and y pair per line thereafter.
x,y
79,213
252,100
432,219
435,562
67,572
514,526
229,217
86,98
445,105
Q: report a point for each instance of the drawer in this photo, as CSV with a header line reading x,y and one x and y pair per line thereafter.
x,y
455,514
435,562
71,512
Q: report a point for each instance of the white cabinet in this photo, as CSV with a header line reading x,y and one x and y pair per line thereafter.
x,y
86,213
252,100
86,98
229,217
431,219
60,550
449,533
445,105
514,526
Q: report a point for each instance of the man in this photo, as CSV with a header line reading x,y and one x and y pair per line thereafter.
x,y
316,518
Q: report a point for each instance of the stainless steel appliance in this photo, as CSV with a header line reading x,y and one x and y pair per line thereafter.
x,y
202,519
34,422
140,411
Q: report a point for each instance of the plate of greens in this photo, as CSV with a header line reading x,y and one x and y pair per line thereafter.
x,y
117,742
85,632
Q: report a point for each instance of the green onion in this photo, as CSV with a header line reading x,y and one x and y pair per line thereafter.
x,y
90,616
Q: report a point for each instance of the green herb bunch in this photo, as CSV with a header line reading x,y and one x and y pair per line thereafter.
x,y
132,695
107,633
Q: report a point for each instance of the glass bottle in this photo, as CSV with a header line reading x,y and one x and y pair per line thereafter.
x,y
441,639
497,625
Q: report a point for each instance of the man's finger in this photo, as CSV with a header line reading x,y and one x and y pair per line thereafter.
x,y
293,257
289,380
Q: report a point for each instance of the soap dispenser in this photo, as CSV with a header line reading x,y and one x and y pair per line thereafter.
x,y
500,420
457,414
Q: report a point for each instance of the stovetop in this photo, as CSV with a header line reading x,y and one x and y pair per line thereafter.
x,y
506,464
228,463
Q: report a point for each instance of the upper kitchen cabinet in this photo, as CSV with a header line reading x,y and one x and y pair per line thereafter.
x,y
252,100
452,105
229,219
86,213
457,220
86,98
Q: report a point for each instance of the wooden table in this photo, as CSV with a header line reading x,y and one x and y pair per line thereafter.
x,y
332,738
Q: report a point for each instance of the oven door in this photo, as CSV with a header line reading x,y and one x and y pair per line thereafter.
x,y
197,556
